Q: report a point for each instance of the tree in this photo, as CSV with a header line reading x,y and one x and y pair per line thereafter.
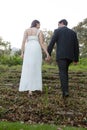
x,y
81,30
5,47
47,38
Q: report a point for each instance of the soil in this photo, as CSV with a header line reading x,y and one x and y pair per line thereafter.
x,y
47,106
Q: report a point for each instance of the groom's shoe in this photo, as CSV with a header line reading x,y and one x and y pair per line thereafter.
x,y
65,94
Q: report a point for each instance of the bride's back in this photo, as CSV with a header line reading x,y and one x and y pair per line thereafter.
x,y
32,31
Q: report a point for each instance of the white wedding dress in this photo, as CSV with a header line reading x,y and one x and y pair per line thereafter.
x,y
31,76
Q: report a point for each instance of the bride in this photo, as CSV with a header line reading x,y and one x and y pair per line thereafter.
x,y
31,52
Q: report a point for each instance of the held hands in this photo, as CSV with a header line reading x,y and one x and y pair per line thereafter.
x,y
48,57
75,63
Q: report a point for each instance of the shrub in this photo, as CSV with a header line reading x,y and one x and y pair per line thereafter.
x,y
10,60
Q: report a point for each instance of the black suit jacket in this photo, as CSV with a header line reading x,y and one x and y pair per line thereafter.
x,y
66,44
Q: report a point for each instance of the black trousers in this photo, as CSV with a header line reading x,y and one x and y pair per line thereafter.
x,y
63,65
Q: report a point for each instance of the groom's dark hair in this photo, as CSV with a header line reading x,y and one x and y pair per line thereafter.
x,y
64,21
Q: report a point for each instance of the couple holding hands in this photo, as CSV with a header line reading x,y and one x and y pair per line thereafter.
x,y
67,51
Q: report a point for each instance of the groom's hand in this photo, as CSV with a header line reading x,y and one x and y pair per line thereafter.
x,y
75,63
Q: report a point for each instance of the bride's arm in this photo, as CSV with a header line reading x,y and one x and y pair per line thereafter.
x,y
23,42
43,46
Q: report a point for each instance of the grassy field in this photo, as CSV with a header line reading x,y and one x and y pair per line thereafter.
x,y
22,126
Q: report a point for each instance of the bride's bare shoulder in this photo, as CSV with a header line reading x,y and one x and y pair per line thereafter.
x,y
28,31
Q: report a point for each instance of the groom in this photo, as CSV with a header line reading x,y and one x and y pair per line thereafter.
x,y
67,51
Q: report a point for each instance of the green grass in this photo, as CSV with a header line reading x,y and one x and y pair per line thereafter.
x,y
22,126
81,66
78,67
